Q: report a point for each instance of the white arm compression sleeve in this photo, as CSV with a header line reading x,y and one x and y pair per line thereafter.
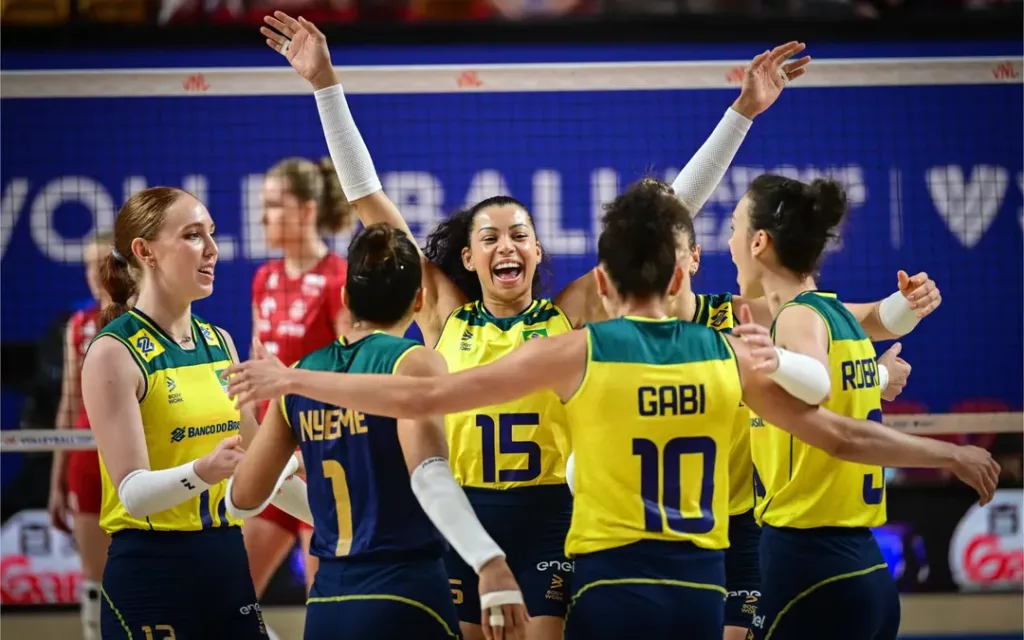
x,y
445,503
348,151
803,377
896,315
701,175
293,500
144,492
236,512
883,377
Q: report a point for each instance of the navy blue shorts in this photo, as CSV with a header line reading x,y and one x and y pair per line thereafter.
x,y
530,525
825,583
192,585
742,570
401,596
651,589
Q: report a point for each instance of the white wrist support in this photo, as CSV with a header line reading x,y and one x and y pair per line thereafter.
x,y
570,471
348,151
235,512
293,500
144,492
896,315
803,377
883,377
701,175
445,503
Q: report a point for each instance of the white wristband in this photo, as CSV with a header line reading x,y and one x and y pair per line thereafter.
x,y
445,503
570,473
348,151
144,492
235,512
803,377
896,315
883,377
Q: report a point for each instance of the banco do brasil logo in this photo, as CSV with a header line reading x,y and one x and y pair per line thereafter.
x,y
180,433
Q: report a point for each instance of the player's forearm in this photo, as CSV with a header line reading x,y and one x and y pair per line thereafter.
x,y
870,442
351,158
701,175
377,394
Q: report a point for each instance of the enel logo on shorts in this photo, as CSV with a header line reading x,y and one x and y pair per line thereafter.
x,y
557,565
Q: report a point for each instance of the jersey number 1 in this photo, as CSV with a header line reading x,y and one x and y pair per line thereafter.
x,y
508,446
660,483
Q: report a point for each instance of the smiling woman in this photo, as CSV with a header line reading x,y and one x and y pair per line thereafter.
x,y
165,430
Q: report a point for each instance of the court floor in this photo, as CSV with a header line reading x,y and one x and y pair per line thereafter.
x,y
925,617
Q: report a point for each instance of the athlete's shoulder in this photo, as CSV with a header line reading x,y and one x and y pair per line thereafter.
x,y
655,342
842,324
213,336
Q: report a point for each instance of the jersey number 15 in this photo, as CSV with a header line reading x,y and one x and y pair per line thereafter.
x,y
660,483
506,445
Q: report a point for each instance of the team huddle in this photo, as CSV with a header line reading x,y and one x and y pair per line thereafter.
x,y
627,458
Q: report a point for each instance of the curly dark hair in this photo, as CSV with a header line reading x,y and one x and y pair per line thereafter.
x,y
446,242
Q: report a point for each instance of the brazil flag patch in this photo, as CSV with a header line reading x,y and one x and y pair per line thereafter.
x,y
532,334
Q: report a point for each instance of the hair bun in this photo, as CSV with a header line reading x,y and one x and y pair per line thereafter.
x,y
829,203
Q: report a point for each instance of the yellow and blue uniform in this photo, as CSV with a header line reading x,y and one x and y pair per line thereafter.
x,y
381,572
652,427
822,571
510,458
742,573
194,547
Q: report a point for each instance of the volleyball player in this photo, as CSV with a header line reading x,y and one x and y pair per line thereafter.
x,y
75,478
381,571
296,309
821,569
167,434
642,393
480,287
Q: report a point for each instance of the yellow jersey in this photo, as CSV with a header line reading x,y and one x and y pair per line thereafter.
x,y
652,427
715,311
805,487
186,411
514,444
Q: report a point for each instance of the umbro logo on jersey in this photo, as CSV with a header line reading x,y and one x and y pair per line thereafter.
x,y
467,337
173,397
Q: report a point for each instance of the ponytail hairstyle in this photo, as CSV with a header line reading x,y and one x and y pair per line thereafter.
x,y
800,218
446,242
317,182
384,274
142,216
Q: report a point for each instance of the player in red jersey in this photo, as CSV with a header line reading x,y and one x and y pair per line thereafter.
x,y
296,309
75,490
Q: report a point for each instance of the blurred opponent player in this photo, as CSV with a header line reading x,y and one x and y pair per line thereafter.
x,y
381,572
167,434
296,309
650,402
480,286
822,572
75,477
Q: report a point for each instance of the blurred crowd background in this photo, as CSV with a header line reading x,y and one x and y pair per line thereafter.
x,y
48,12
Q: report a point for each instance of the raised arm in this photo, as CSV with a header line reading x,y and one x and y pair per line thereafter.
x,y
861,441
548,363
305,48
247,419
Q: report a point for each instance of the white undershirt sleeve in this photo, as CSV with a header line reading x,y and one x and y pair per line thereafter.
x,y
701,175
802,376
144,492
351,158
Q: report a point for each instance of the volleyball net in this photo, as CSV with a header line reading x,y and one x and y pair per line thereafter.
x,y
929,150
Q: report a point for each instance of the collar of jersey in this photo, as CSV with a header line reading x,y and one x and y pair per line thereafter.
x,y
151,324
490,316
343,341
643,319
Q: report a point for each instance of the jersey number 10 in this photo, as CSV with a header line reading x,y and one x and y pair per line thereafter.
x,y
660,483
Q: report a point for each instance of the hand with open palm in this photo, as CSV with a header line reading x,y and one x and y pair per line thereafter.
x,y
766,77
303,45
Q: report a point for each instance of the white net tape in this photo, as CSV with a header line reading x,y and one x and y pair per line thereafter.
x,y
27,440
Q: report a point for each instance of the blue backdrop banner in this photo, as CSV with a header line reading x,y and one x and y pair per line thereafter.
x,y
934,174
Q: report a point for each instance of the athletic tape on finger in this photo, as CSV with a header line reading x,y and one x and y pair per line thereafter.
x,y
284,47
495,600
783,75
